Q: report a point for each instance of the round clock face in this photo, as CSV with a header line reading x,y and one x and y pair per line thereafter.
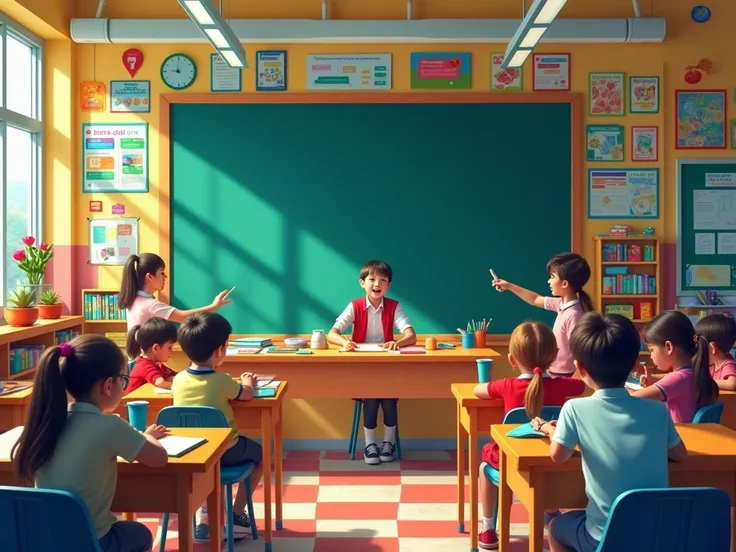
x,y
178,71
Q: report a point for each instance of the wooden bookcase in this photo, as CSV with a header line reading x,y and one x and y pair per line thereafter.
x,y
105,321
638,267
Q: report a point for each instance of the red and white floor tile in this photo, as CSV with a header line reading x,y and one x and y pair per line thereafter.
x,y
333,504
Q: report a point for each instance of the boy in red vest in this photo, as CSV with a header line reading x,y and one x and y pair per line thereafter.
x,y
373,318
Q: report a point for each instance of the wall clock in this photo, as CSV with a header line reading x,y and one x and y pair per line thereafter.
x,y
178,71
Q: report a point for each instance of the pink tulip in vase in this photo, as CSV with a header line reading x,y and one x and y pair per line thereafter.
x,y
32,260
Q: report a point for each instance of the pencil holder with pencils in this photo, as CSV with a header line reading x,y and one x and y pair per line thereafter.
x,y
480,338
468,340
479,330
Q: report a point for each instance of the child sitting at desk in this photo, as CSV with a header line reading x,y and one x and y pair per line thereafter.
x,y
203,338
151,345
625,441
532,348
720,331
373,318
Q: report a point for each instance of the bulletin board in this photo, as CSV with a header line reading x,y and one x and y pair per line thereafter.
x,y
706,226
112,240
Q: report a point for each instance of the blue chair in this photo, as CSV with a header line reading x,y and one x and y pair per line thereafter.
x,y
516,416
669,520
43,520
207,416
353,443
709,414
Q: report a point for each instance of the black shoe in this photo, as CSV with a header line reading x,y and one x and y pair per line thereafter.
x,y
388,453
241,520
371,455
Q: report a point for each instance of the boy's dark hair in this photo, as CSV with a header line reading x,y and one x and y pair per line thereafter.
x,y
154,331
134,276
201,334
606,346
376,267
720,330
576,270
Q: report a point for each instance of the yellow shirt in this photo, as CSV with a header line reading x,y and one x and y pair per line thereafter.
x,y
85,460
200,386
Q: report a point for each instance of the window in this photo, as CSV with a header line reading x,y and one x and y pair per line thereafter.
x,y
20,146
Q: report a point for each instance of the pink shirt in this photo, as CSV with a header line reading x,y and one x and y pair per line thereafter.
x,y
145,306
567,316
727,370
678,390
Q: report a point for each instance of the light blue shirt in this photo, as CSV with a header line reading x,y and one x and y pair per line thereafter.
x,y
624,442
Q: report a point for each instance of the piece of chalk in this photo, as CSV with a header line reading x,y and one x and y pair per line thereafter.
x,y
494,275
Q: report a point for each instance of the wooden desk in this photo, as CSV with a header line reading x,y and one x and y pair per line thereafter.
x,y
528,472
13,409
180,487
263,415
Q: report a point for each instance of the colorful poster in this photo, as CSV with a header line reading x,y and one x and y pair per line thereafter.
x,y
349,72
625,193
114,157
130,96
224,78
440,70
271,70
92,96
504,80
701,119
606,93
550,72
644,143
112,241
605,142
708,276
644,95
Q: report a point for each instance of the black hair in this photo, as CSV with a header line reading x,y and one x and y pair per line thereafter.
x,y
576,271
134,276
719,330
91,359
154,331
376,267
201,334
607,346
675,327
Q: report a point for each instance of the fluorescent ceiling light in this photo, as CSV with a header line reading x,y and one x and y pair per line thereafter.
x,y
518,59
217,38
231,58
197,11
532,37
549,11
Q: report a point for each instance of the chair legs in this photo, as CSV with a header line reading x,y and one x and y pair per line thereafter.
x,y
164,530
353,443
251,511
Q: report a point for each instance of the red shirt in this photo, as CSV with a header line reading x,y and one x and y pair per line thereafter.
x,y
147,371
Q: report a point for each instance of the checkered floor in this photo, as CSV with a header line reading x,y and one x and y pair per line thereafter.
x,y
334,504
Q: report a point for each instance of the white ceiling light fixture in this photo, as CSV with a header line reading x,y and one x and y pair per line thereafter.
x,y
210,21
537,20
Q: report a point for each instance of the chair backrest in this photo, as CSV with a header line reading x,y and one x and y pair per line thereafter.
x,y
518,415
669,520
709,414
191,416
44,520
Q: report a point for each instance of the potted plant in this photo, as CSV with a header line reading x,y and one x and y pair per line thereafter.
x,y
32,260
20,310
50,306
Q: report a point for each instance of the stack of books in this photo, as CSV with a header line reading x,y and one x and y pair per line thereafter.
x,y
251,342
119,338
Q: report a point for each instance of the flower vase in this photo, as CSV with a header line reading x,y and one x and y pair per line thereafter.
x,y
37,289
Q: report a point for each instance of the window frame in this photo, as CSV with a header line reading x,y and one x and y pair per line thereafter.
x,y
33,125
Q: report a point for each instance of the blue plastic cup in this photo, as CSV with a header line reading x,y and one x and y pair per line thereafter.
x,y
484,370
468,340
138,414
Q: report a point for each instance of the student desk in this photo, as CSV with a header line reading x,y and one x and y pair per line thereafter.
x,y
528,472
180,487
13,408
263,415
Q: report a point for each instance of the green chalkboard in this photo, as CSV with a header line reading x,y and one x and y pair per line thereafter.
x,y
287,201
706,226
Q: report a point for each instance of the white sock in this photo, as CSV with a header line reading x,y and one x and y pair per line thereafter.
x,y
389,434
487,524
370,436
201,515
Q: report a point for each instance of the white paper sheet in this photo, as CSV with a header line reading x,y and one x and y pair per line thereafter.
x,y
370,348
175,444
705,243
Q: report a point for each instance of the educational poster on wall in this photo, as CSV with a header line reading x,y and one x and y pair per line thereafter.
x,y
224,78
114,157
605,142
644,94
440,70
550,72
130,96
112,240
349,72
701,119
644,143
708,276
606,93
271,70
624,193
92,96
504,80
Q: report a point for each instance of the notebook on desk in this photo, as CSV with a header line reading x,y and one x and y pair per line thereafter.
x,y
633,385
264,392
177,446
524,431
9,387
412,350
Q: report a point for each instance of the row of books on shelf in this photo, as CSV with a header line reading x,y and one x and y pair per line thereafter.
x,y
628,253
102,306
629,284
25,357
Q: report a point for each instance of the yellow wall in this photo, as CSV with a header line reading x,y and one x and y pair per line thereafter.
x,y
686,43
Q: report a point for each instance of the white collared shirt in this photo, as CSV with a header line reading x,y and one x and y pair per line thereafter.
x,y
374,332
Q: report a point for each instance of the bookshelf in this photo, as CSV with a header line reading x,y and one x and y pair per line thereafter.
x,y
101,315
628,277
